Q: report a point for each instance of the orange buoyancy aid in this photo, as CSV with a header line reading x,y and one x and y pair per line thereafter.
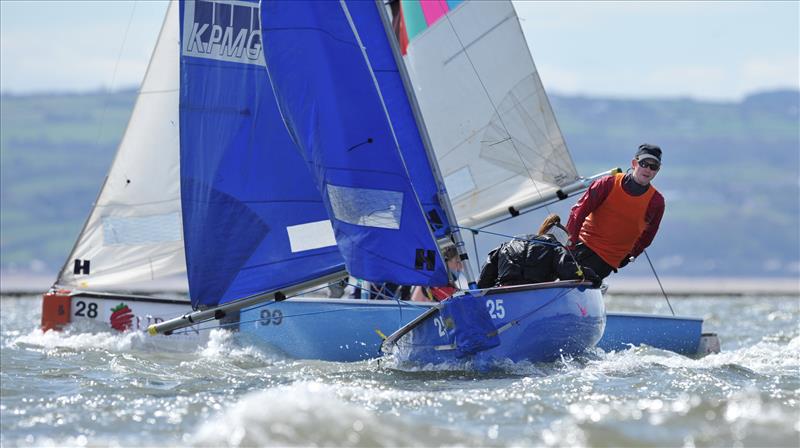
x,y
613,228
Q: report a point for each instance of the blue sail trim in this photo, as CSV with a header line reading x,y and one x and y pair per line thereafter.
x,y
333,111
367,20
253,218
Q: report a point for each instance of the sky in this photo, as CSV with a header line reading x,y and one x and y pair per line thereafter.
x,y
715,50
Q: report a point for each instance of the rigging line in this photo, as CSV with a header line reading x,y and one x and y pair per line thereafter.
x,y
114,75
475,247
513,237
489,98
659,282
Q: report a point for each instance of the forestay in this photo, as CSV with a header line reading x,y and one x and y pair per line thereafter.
x,y
254,220
133,232
348,112
491,125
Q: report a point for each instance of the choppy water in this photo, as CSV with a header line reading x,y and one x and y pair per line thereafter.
x,y
106,388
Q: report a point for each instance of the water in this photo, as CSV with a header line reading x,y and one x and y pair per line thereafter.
x,y
102,388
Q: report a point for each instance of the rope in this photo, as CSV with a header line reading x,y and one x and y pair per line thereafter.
x,y
114,75
659,282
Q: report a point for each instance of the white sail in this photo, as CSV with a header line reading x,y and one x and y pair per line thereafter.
x,y
133,233
490,123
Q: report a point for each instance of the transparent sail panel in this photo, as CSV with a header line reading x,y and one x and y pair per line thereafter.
x,y
492,128
137,231
366,207
123,241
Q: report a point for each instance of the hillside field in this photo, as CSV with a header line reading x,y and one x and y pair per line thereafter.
x,y
731,175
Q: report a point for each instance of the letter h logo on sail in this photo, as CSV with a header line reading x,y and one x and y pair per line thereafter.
x,y
425,259
81,267
223,30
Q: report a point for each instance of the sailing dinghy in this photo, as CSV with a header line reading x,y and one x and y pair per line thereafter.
x,y
360,140
470,64
134,237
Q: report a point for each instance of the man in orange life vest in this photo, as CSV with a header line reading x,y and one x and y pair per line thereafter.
x,y
618,216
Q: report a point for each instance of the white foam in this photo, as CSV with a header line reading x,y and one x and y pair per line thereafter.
x,y
311,414
99,337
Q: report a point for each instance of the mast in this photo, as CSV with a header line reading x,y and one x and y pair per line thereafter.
x,y
444,199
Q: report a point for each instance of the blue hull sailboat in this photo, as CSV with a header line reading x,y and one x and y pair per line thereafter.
x,y
354,186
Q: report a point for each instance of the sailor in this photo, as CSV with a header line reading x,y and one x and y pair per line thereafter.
x,y
618,216
531,259
439,293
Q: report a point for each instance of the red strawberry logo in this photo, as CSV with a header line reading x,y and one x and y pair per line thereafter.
x,y
121,317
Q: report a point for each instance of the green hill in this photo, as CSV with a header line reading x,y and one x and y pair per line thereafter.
x,y
731,173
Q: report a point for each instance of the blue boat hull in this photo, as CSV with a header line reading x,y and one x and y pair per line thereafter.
x,y
344,330
677,334
536,323
339,330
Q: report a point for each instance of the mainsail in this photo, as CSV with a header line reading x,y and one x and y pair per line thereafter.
x,y
133,232
492,128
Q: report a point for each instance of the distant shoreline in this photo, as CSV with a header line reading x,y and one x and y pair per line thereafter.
x,y
684,286
33,284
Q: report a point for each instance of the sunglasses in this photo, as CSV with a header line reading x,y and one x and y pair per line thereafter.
x,y
653,166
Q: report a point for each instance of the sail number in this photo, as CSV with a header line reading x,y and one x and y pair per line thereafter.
x,y
275,317
440,326
86,309
496,309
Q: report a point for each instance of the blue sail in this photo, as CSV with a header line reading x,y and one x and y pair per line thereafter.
x,y
336,116
253,218
382,59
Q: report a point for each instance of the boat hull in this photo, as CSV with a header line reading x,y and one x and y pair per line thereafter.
x,y
328,329
536,323
678,334
305,329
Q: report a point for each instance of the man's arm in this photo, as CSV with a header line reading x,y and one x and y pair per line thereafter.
x,y
594,196
655,211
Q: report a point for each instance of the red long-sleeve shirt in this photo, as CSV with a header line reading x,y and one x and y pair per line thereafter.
x,y
597,193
